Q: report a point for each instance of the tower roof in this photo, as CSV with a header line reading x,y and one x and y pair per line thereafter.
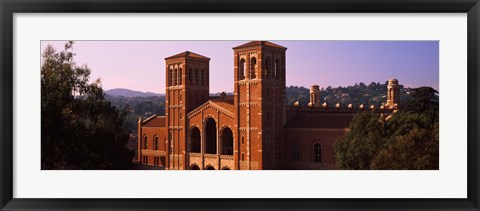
x,y
187,54
259,43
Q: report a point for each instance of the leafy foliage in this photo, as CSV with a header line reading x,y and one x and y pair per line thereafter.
x,y
409,139
80,129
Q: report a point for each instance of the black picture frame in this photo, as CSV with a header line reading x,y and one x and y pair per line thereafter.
x,y
9,7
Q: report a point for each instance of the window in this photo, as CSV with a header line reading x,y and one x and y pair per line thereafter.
x,y
156,143
267,67
317,151
241,69
267,142
197,77
170,77
253,64
243,157
145,143
180,76
190,76
243,139
174,77
296,155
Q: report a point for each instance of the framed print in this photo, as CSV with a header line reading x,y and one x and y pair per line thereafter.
x,y
309,105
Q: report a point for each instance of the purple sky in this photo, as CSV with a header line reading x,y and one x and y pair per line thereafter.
x,y
140,65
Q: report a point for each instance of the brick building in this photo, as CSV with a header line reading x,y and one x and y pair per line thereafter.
x,y
252,129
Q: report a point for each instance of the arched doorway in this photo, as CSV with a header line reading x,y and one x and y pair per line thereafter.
x,y
209,168
227,142
211,136
195,140
225,168
194,167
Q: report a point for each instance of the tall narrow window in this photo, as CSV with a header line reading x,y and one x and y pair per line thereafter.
x,y
243,157
243,139
174,78
197,77
253,65
145,143
180,76
267,67
156,143
296,155
204,81
317,151
170,77
190,76
241,69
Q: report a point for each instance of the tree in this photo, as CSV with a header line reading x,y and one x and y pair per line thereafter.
x,y
409,139
80,129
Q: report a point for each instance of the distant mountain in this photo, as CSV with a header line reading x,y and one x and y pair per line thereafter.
x,y
130,93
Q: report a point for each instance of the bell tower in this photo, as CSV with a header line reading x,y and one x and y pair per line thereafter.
x,y
259,99
187,87
393,94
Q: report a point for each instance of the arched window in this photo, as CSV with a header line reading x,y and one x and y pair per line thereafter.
x,y
180,76
145,143
296,155
241,69
227,142
156,144
194,167
253,65
174,78
204,81
211,136
170,77
267,68
197,77
190,76
317,153
195,140
277,70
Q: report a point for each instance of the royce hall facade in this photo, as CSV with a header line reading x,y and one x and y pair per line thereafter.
x,y
252,129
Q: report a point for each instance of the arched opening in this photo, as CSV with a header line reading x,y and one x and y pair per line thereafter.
x,y
190,76
209,168
225,168
317,153
195,140
197,77
267,68
241,69
156,144
180,74
253,64
170,77
277,69
194,167
227,141
211,136
174,77
296,155
145,142
204,80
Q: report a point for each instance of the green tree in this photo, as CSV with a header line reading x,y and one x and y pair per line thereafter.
x,y
409,139
80,129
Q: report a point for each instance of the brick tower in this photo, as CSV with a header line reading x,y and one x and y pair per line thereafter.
x,y
187,76
259,99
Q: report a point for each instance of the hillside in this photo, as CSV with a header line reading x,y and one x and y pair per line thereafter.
x,y
130,93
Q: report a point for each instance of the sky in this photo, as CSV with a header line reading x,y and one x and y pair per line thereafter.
x,y
140,65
